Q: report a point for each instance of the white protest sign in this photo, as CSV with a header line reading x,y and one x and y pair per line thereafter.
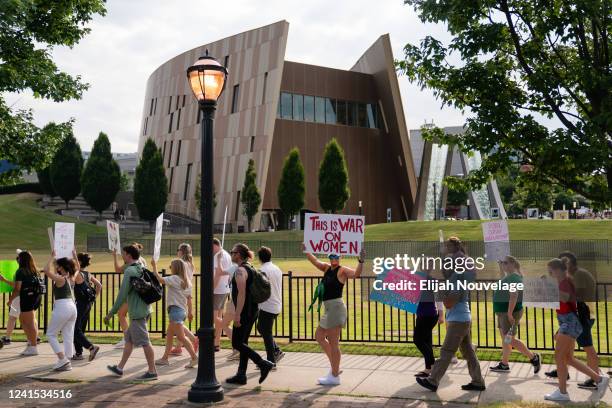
x,y
541,292
497,240
333,233
114,243
51,239
159,223
63,244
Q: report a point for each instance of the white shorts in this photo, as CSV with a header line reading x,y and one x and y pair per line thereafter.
x,y
15,309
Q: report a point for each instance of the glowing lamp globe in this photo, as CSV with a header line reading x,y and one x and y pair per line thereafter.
x,y
207,79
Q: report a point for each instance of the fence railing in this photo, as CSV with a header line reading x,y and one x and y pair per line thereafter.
x,y
536,250
368,321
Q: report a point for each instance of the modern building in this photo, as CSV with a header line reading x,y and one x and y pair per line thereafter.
x,y
270,106
127,164
433,162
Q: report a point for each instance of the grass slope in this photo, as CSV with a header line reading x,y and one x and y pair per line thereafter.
x,y
24,224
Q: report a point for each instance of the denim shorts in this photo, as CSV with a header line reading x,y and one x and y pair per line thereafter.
x,y
586,337
176,314
569,325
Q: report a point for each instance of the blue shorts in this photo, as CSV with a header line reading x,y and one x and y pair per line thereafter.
x,y
569,325
586,337
176,314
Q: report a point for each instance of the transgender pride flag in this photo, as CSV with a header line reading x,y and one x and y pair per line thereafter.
x,y
404,299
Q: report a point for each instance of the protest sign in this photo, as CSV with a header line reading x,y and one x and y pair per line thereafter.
x,y
406,293
496,239
561,215
63,244
333,233
8,269
159,223
541,292
51,239
114,243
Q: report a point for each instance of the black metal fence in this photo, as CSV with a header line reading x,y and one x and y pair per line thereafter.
x,y
368,321
536,250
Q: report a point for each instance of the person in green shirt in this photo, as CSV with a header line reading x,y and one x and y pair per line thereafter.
x,y
139,311
508,307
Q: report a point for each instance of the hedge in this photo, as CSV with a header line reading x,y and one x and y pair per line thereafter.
x,y
21,188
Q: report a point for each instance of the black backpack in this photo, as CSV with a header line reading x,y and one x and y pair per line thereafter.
x,y
147,286
86,291
260,285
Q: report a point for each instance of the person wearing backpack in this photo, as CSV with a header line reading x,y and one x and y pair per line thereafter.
x,y
29,289
136,334
246,313
271,308
86,288
334,319
64,313
178,296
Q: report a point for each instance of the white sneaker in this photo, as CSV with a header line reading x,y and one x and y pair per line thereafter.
x,y
602,386
120,345
454,360
329,380
60,363
30,351
557,395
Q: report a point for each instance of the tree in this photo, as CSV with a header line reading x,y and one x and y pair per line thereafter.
x,y
28,32
334,191
150,183
44,179
250,197
66,168
511,65
124,183
101,178
455,196
291,188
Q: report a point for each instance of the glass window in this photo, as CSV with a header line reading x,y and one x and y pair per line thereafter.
x,y
187,182
309,108
235,96
362,116
341,112
320,109
371,115
170,123
330,110
298,107
286,106
352,113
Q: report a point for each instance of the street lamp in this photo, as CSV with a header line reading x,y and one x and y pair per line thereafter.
x,y
435,198
468,208
359,207
207,80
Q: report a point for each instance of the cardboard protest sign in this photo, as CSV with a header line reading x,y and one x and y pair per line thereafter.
x,y
8,269
541,292
333,233
114,243
406,293
561,215
63,244
159,224
496,239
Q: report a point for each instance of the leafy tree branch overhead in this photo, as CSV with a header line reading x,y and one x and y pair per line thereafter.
x,y
524,63
28,32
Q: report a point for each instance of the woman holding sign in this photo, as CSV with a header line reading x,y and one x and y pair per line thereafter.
x,y
329,291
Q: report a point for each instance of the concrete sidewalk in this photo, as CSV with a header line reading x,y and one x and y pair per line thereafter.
x,y
363,377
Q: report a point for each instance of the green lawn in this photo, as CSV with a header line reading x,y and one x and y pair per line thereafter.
x,y
466,230
24,224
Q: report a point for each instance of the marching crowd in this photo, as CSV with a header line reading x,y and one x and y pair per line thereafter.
x,y
245,296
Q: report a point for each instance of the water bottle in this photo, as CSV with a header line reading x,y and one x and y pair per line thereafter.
x,y
509,335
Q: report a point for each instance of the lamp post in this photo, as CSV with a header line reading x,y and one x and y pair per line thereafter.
x,y
575,213
468,208
359,207
207,80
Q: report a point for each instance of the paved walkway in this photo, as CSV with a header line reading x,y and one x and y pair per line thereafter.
x,y
370,380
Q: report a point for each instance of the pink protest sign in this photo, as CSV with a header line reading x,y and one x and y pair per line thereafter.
x,y
495,231
407,284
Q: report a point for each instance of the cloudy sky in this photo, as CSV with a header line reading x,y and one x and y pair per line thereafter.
x,y
136,36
